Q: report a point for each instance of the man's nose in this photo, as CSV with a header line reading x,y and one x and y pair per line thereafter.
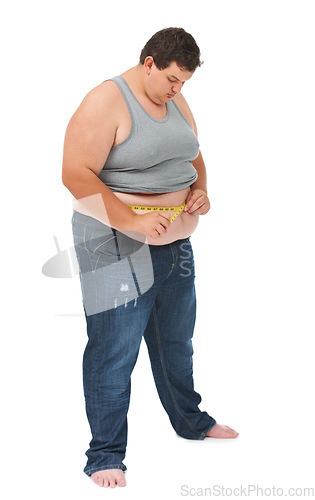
x,y
177,87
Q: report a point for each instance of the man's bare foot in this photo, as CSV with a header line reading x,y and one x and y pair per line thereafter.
x,y
109,478
221,431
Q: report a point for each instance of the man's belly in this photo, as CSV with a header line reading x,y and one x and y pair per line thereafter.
x,y
182,227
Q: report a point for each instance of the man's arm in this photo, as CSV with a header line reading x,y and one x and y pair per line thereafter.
x,y
89,137
197,200
88,140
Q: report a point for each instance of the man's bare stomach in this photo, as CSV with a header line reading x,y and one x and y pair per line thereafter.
x,y
182,227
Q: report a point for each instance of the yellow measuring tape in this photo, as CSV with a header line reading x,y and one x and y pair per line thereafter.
x,y
177,210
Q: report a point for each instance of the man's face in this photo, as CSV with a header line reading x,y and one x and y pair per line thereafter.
x,y
163,84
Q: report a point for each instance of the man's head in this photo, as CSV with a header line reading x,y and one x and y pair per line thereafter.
x,y
172,45
168,60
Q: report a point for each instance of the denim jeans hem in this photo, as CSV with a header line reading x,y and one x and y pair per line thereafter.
x,y
197,436
204,434
90,471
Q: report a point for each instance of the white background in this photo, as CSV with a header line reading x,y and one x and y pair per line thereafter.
x,y
253,100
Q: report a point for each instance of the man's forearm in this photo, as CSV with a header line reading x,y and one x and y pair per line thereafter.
x,y
201,182
95,198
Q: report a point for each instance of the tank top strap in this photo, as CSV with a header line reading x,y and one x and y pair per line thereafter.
x,y
140,116
137,114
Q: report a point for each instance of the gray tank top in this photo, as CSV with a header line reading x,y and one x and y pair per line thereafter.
x,y
156,156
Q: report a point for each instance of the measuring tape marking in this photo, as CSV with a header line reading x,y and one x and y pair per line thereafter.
x,y
177,210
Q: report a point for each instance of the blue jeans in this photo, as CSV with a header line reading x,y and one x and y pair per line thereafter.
x,y
132,290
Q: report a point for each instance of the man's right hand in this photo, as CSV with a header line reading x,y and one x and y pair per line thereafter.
x,y
151,224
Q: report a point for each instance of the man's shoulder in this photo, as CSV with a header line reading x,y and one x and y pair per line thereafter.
x,y
103,101
182,104
105,94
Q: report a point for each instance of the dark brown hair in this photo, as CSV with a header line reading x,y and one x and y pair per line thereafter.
x,y
172,44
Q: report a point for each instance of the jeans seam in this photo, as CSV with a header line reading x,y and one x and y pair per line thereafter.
x,y
174,262
116,243
106,467
165,373
87,250
176,257
134,276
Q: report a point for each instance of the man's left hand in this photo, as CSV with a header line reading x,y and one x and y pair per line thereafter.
x,y
197,202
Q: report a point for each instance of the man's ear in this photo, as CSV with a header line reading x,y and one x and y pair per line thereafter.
x,y
148,64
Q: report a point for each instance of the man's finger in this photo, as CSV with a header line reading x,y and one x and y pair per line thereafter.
x,y
191,202
195,206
